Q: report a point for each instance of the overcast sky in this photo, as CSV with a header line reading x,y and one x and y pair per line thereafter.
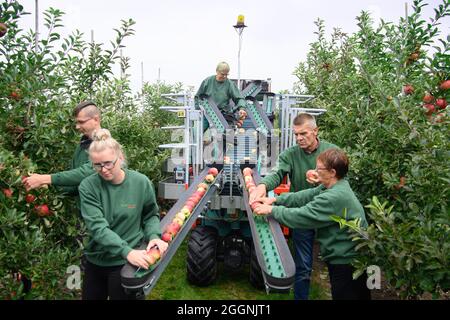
x,y
185,39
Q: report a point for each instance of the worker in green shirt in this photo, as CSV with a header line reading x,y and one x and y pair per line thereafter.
x,y
295,162
222,90
87,120
120,211
312,208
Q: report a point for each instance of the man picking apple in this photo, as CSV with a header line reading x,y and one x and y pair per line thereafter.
x,y
87,120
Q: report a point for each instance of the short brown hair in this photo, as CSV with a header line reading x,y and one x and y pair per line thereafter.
x,y
335,159
303,118
83,105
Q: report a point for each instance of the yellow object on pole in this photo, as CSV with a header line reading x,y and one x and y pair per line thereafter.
x,y
240,20
239,27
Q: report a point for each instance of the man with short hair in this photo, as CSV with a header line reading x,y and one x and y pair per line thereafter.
x,y
295,162
87,119
221,90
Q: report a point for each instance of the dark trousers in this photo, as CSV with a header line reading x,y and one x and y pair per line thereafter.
x,y
101,283
343,287
303,240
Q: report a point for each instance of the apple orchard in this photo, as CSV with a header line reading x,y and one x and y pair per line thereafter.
x,y
386,89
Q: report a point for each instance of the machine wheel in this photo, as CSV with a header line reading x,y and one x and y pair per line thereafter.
x,y
256,278
201,256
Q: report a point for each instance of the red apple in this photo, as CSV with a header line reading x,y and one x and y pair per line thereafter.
x,y
201,191
197,198
429,108
155,253
15,94
29,198
173,228
408,89
445,85
209,178
191,199
414,56
428,98
441,103
190,204
167,237
7,192
176,226
197,194
152,259
3,29
42,210
312,175
213,171
247,172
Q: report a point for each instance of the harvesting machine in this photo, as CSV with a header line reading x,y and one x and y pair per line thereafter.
x,y
219,219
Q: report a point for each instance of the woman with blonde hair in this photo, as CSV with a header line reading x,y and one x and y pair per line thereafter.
x,y
119,208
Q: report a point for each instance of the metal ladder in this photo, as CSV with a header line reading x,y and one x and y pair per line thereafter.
x,y
192,144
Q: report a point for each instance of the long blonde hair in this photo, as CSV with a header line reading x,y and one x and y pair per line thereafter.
x,y
102,140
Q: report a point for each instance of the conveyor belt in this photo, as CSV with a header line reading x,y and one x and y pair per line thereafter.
x,y
272,251
145,281
214,116
256,114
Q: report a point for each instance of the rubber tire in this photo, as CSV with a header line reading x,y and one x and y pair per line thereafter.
x,y
255,277
202,256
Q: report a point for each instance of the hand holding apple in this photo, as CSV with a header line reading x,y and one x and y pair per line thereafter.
x,y
269,201
255,204
263,209
259,192
312,176
161,245
139,258
36,181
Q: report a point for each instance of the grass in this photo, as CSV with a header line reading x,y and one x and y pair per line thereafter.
x,y
173,285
